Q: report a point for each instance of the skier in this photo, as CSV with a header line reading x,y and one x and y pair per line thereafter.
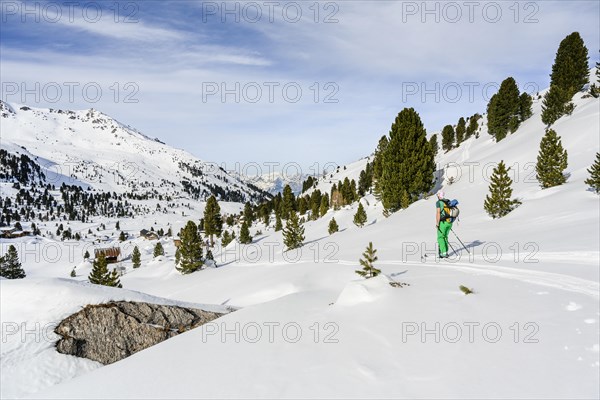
x,y
443,225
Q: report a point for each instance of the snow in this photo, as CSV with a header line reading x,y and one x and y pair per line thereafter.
x,y
530,330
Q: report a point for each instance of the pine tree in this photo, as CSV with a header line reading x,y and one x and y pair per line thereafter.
x,y
158,250
570,70
73,273
333,226
136,257
433,143
554,105
86,255
447,138
499,203
226,239
10,266
118,226
404,200
293,234
278,224
551,161
377,168
213,221
287,202
473,125
503,110
360,218
188,256
460,131
245,237
122,237
408,162
594,171
525,106
369,257
100,274
324,207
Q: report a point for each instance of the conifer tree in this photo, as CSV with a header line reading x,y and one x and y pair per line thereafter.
x,y
503,110
73,273
287,202
447,138
158,250
369,257
594,171
10,266
360,218
324,207
293,234
433,143
333,226
248,213
499,203
86,255
302,206
525,106
278,224
315,204
554,105
551,161
122,237
100,274
408,162
461,129
473,125
404,200
188,257
226,239
245,237
570,70
136,257
377,167
213,221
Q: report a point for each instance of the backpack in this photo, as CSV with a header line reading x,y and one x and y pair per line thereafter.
x,y
450,210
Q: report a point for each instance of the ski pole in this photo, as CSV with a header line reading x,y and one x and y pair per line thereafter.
x,y
461,242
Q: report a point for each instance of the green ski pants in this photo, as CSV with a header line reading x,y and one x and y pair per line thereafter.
x,y
442,236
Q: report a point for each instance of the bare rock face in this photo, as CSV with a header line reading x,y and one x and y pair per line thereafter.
x,y
110,332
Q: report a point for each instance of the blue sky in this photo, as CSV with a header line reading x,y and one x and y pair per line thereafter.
x,y
357,64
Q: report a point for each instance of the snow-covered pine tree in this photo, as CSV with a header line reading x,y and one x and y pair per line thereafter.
x,y
594,171
10,266
360,218
158,250
136,257
333,226
499,203
551,161
245,237
293,233
188,256
369,257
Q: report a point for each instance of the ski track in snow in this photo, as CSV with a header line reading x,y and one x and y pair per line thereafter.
x,y
548,279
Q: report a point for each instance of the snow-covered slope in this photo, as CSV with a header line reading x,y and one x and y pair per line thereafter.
x,y
310,327
273,182
89,148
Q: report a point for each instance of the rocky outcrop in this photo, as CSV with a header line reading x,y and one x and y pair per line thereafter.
x,y
110,332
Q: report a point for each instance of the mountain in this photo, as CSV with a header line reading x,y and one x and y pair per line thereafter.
x,y
274,182
319,329
90,149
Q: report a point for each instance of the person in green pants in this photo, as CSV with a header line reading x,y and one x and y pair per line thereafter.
x,y
443,225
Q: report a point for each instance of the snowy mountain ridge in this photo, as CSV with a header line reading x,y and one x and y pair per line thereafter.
x,y
90,148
